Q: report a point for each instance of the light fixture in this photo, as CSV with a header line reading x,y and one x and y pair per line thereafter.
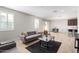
x,y
55,11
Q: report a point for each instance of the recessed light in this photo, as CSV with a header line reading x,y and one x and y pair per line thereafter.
x,y
55,11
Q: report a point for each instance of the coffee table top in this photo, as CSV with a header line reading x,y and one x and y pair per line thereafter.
x,y
44,38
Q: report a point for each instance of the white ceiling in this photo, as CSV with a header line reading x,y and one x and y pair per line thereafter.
x,y
48,12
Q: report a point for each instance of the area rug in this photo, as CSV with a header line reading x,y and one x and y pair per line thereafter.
x,y
36,48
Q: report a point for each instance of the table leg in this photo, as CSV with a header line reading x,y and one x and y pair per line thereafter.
x,y
47,45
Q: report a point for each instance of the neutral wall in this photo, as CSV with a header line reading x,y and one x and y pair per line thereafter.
x,y
78,25
78,19
60,24
23,23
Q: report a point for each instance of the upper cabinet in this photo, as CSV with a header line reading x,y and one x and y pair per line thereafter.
x,y
72,22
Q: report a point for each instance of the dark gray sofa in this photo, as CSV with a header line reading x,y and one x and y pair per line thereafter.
x,y
31,36
7,46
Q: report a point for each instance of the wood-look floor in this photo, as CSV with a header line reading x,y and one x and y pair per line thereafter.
x,y
67,45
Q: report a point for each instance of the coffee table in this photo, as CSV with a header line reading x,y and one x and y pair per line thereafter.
x,y
44,41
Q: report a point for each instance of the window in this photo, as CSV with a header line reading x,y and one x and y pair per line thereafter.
x,y
6,21
36,23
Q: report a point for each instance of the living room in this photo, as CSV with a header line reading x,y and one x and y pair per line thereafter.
x,y
25,19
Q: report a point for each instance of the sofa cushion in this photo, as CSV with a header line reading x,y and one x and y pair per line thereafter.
x,y
31,33
24,33
32,36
